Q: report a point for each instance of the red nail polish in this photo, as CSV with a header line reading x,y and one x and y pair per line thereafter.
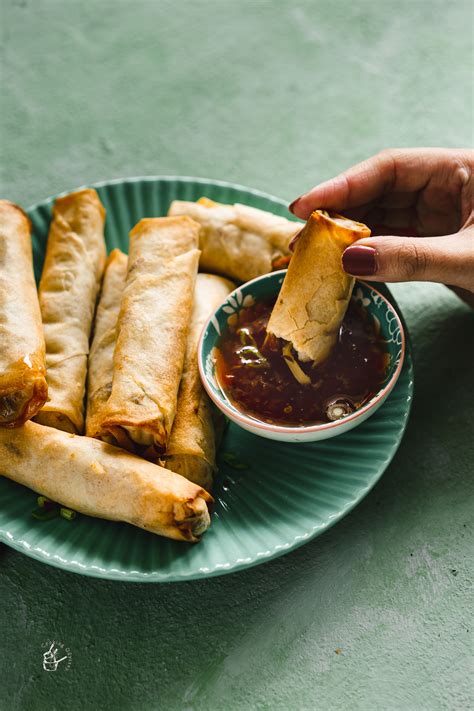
x,y
360,260
293,204
294,240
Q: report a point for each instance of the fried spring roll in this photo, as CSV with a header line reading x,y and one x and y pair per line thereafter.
x,y
152,330
191,449
23,389
75,258
96,479
238,241
101,356
316,290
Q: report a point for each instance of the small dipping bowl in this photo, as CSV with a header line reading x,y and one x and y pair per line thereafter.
x,y
384,317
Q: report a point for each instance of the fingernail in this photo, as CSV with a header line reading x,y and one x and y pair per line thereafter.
x,y
294,240
292,205
360,260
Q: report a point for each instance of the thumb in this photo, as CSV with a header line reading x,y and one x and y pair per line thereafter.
x,y
448,259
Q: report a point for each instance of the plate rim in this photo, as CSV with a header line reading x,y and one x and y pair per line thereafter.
x,y
156,576
164,177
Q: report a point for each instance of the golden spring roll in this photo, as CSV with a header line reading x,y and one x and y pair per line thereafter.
x,y
191,449
101,356
75,258
23,389
96,479
316,290
238,241
152,330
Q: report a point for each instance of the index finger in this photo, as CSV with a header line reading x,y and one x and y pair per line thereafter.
x,y
402,169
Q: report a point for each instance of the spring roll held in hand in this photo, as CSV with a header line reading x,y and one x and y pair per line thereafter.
x,y
191,449
316,290
103,481
75,258
23,389
101,356
238,241
152,330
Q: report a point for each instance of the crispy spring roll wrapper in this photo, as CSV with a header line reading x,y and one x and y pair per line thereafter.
x,y
101,356
72,272
191,449
23,389
238,241
316,290
152,331
96,479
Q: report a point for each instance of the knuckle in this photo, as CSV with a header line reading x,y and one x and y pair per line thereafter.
x,y
412,260
386,153
391,155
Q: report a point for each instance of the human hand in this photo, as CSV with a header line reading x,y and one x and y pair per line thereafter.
x,y
423,192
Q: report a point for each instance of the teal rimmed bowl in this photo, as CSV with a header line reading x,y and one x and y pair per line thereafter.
x,y
379,310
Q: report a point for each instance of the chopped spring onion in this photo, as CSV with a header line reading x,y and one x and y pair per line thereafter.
x,y
43,514
233,461
45,503
250,352
339,408
295,368
68,514
50,509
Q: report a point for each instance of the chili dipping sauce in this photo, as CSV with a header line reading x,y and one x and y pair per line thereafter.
x,y
257,373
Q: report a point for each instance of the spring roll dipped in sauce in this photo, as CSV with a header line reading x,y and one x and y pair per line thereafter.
x,y
152,331
101,356
191,450
70,282
316,291
310,355
238,241
23,389
262,381
104,481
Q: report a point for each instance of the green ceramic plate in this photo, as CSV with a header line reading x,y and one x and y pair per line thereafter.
x,y
271,497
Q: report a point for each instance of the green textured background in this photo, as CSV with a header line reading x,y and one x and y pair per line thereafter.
x,y
276,95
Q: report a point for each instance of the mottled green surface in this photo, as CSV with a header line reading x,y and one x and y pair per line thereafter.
x,y
276,95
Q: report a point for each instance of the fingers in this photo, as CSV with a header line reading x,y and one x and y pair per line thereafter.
x,y
354,187
448,259
381,221
400,170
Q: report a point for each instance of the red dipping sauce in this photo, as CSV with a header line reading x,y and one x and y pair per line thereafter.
x,y
253,373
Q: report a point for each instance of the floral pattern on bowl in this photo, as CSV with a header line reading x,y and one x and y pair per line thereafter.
x,y
384,319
